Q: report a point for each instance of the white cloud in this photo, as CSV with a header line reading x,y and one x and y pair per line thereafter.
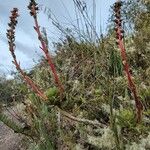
x,y
26,38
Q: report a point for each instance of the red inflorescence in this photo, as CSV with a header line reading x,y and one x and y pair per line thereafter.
x,y
33,11
120,43
11,41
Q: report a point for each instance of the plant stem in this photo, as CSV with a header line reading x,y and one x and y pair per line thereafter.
x,y
119,32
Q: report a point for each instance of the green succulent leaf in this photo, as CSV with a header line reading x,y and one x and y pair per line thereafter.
x,y
51,92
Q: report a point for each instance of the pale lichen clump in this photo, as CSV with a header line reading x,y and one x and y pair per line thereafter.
x,y
106,108
144,144
107,140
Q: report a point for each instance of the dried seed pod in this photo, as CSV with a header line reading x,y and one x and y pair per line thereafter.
x,y
116,10
119,24
121,37
117,36
117,42
116,21
118,16
118,4
122,31
116,29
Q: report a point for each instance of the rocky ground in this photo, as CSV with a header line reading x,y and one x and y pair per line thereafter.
x,y
8,139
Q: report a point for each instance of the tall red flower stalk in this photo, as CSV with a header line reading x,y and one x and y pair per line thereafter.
x,y
33,12
119,36
28,80
11,42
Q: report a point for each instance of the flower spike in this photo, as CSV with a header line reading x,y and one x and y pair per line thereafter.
x,y
119,36
33,12
11,41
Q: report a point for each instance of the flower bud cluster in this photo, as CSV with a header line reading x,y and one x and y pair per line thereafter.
x,y
118,21
12,25
33,8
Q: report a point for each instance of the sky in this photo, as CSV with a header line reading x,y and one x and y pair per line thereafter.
x,y
27,45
